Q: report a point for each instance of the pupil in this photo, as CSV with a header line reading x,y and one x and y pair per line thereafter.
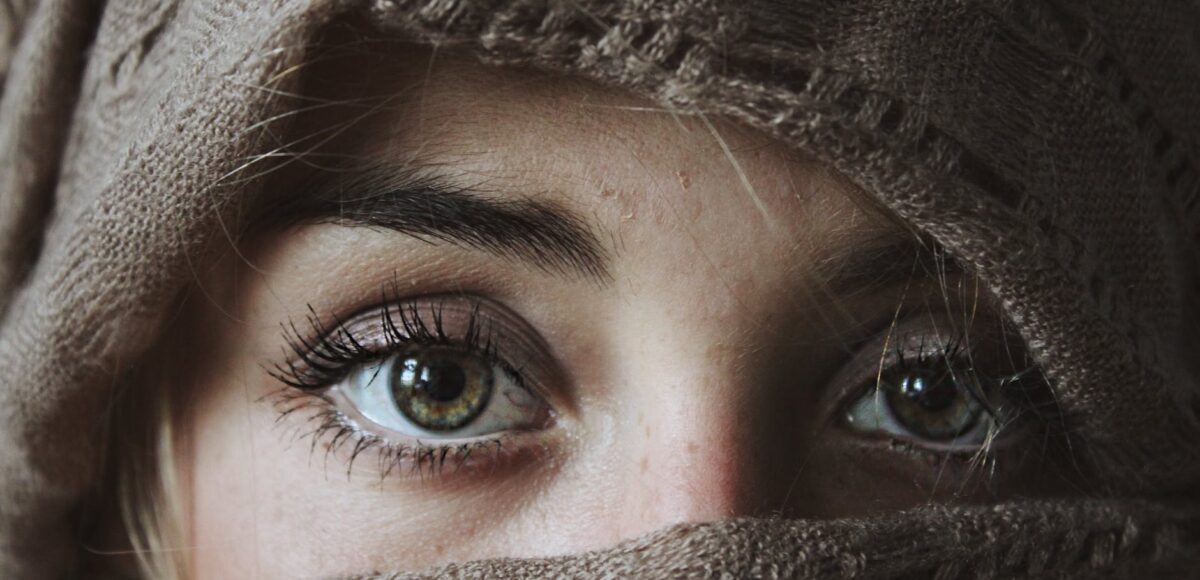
x,y
441,389
440,380
930,393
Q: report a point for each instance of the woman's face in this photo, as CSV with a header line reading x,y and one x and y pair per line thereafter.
x,y
496,314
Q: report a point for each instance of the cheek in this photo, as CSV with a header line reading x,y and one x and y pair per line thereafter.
x,y
220,458
265,499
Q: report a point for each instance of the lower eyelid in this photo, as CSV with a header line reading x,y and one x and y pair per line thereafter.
x,y
335,435
873,360
1008,435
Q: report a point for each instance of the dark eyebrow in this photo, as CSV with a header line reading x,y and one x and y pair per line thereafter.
x,y
430,208
884,261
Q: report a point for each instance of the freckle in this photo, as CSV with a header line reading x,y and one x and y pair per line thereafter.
x,y
628,204
647,430
660,213
684,180
644,464
692,447
440,549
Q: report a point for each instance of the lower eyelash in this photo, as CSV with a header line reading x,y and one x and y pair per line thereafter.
x,y
339,433
1017,395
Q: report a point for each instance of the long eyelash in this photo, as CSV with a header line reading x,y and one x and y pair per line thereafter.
x,y
337,431
325,354
956,353
1026,388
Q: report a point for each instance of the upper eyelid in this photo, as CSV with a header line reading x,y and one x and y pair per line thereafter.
x,y
852,390
501,336
916,325
330,343
870,358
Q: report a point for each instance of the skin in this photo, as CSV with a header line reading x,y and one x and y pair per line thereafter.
x,y
706,378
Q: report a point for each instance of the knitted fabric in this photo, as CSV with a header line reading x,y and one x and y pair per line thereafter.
x,y
1049,145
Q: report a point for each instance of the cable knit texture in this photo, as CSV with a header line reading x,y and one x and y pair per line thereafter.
x,y
1050,145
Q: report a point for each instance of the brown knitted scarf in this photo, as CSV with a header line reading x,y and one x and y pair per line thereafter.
x,y
1050,145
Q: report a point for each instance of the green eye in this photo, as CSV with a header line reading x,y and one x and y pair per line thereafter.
x,y
931,404
937,405
440,389
441,392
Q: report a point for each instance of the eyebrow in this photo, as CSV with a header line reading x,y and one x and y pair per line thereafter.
x,y
428,206
891,259
431,208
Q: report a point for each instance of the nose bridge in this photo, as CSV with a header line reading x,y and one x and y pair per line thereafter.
x,y
693,439
691,465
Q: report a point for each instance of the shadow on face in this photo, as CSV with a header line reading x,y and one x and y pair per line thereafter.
x,y
483,312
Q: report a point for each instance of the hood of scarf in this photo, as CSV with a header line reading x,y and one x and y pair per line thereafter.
x,y
1049,145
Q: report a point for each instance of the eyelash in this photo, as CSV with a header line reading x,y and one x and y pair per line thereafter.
x,y
957,353
948,353
314,364
332,352
340,432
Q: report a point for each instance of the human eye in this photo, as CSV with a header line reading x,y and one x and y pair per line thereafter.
x,y
947,391
420,382
438,393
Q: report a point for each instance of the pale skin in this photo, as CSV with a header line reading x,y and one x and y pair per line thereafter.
x,y
706,375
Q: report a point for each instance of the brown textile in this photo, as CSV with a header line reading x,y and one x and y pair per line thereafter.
x,y
1051,145
1084,540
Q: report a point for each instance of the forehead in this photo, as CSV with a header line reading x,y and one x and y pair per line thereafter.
x,y
632,165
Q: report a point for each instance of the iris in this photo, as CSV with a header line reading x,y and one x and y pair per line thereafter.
x,y
440,389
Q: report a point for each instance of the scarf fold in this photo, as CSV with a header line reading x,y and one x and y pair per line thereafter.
x,y
1047,539
1049,145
